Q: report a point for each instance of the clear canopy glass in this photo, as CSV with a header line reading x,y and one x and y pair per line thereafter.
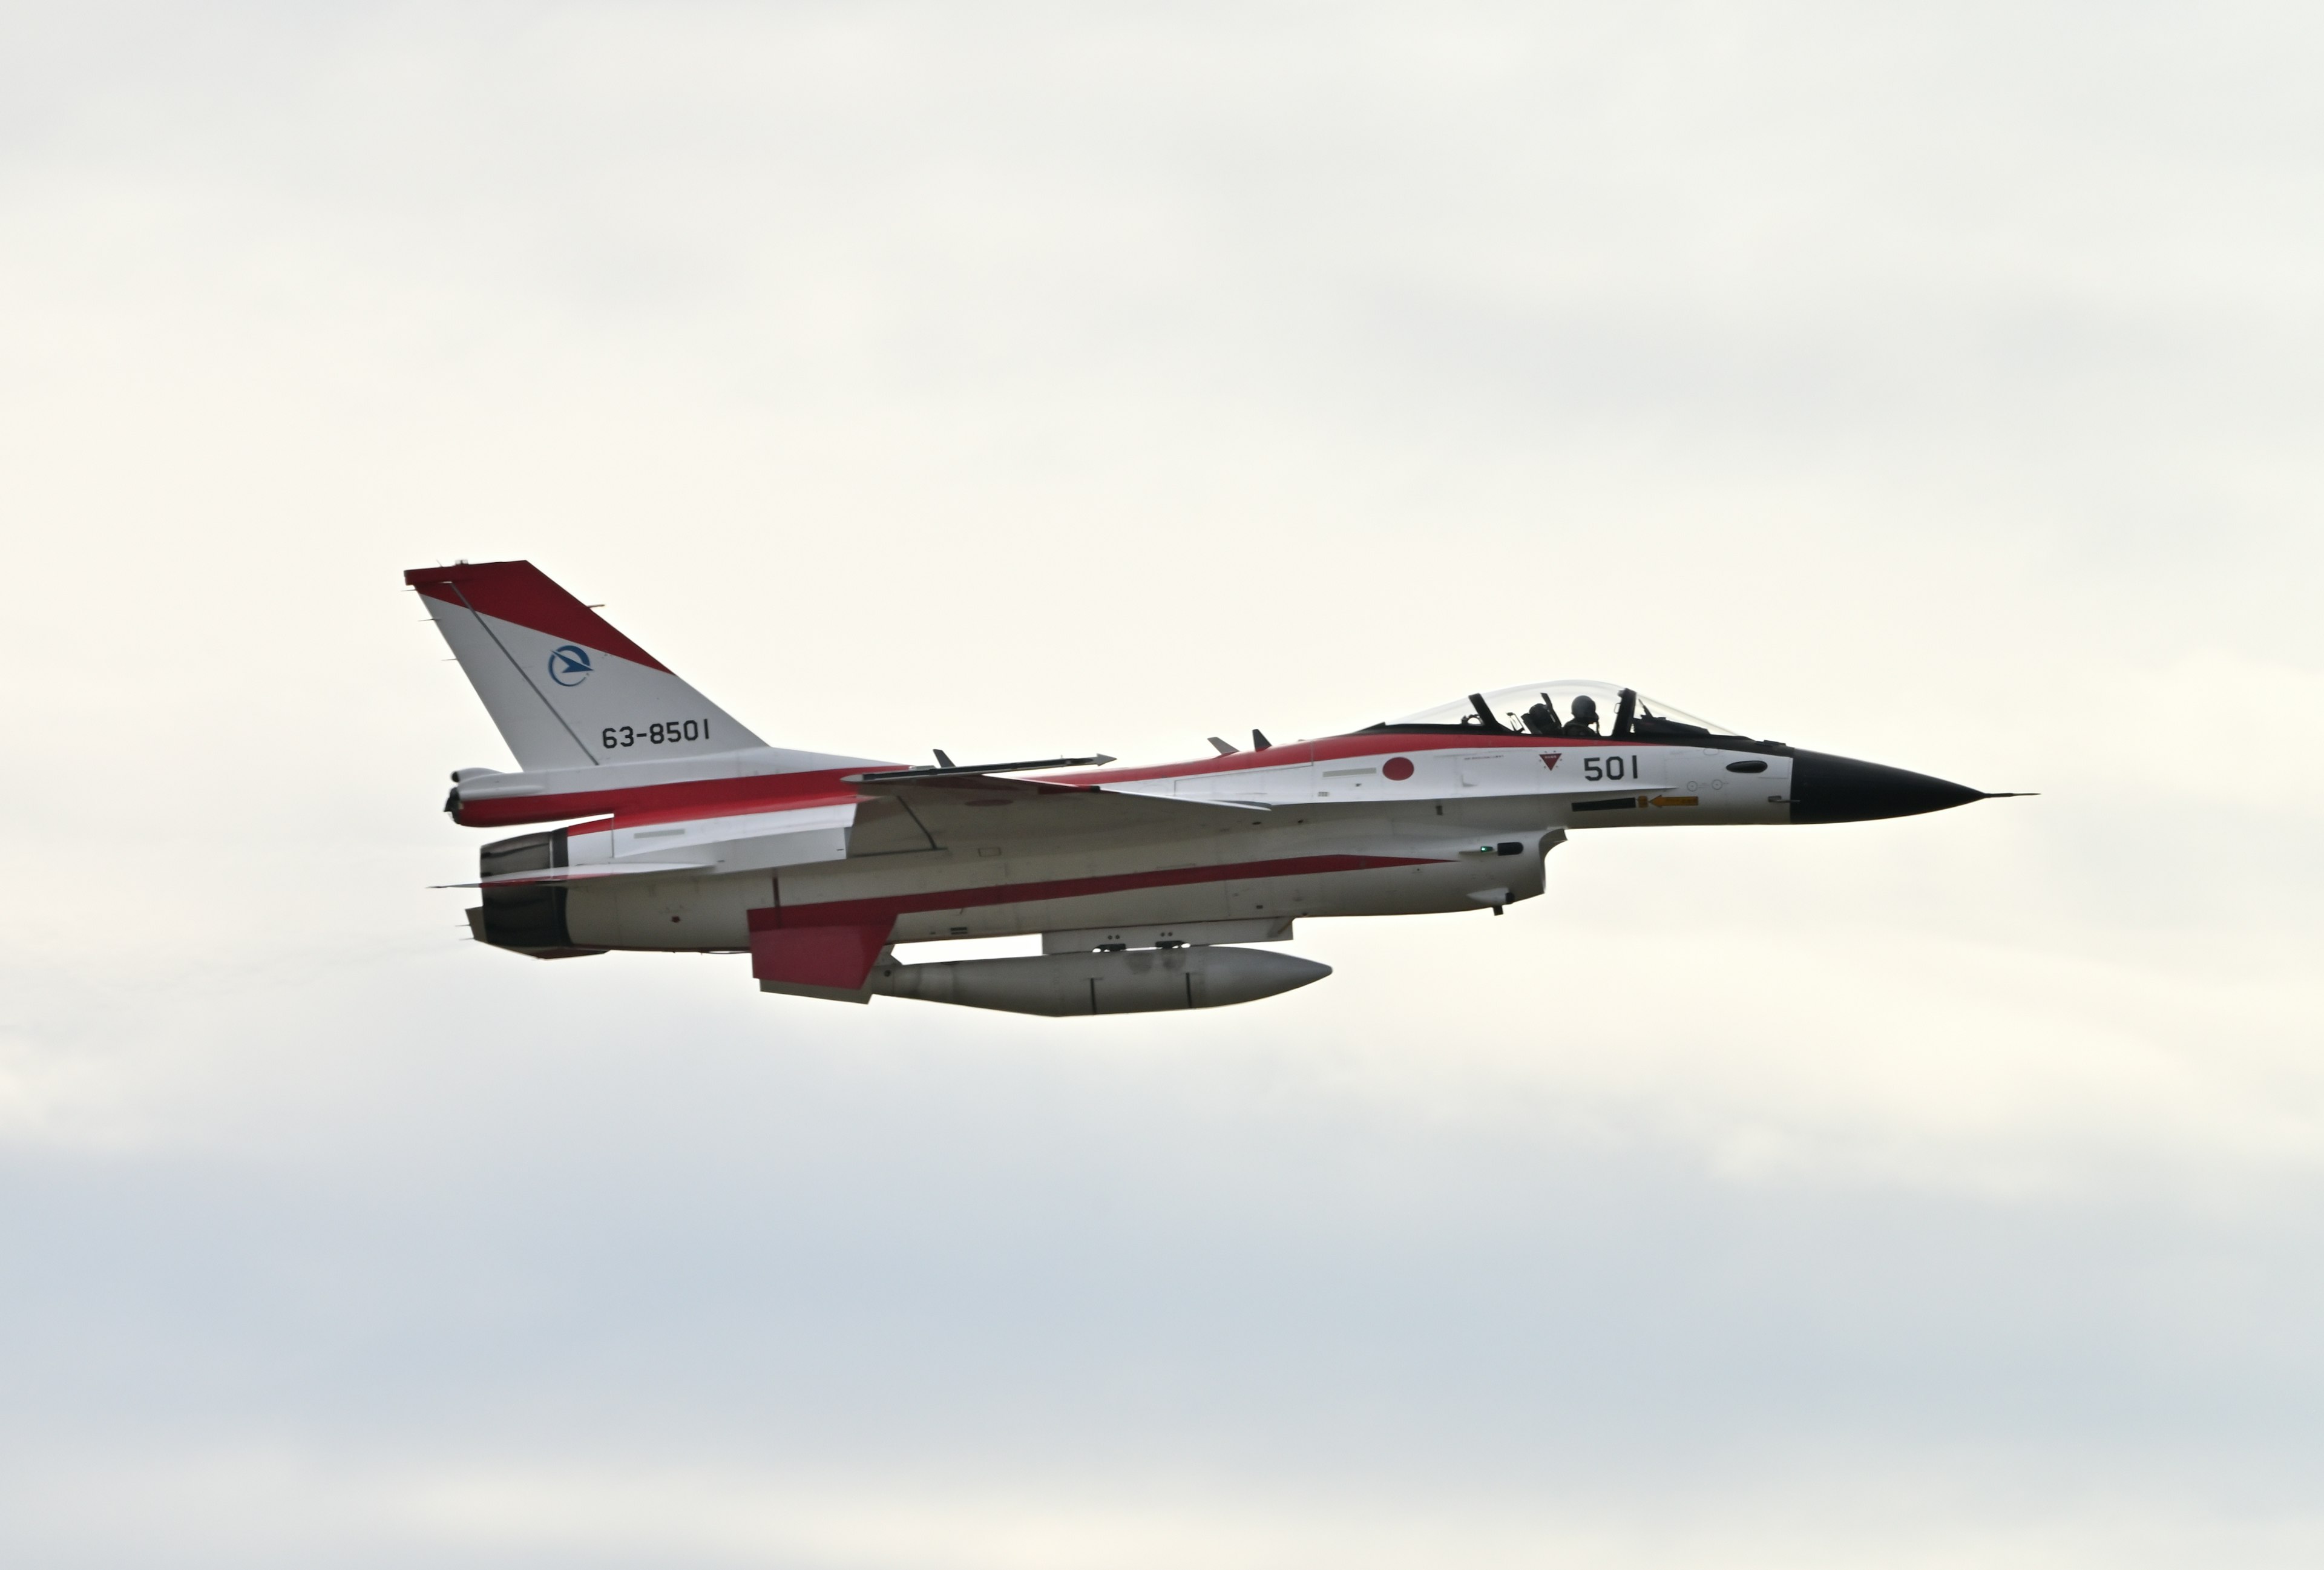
x,y
1568,708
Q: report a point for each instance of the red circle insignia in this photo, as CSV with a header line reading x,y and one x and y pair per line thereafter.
x,y
1397,768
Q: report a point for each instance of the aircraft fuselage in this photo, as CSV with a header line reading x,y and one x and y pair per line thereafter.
x,y
694,836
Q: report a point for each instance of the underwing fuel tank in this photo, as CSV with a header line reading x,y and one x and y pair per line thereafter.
x,y
1132,982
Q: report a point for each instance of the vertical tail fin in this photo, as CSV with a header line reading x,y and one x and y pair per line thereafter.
x,y
567,690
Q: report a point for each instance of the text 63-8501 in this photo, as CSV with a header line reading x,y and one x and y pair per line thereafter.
x,y
660,733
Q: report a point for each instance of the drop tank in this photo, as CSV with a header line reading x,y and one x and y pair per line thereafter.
x,y
1132,982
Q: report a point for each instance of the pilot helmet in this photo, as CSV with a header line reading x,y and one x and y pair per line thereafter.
x,y
1584,706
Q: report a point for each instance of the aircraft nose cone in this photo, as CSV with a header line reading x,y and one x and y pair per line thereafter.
x,y
1826,788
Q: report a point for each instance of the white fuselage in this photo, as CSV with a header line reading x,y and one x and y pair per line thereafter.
x,y
1354,825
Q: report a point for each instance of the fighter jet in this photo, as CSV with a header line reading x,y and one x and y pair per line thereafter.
x,y
1149,886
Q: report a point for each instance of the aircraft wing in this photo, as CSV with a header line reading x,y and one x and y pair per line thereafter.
x,y
950,770
931,785
929,808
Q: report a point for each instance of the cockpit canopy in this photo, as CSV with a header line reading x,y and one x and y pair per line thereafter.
x,y
1567,708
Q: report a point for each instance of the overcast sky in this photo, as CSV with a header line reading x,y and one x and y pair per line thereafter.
x,y
1936,385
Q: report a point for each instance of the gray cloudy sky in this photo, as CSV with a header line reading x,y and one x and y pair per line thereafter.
x,y
1939,385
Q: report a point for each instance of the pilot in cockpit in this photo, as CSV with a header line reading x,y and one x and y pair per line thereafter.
x,y
1542,719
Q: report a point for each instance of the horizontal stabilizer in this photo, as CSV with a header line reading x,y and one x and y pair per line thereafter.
x,y
746,842
573,874
616,847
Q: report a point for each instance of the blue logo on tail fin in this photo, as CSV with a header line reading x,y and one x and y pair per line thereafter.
x,y
568,666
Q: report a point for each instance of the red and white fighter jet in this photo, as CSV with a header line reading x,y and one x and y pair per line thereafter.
x,y
1145,884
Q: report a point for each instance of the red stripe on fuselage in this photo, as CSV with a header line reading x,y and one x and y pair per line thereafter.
x,y
825,787
520,592
1292,754
772,793
887,907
